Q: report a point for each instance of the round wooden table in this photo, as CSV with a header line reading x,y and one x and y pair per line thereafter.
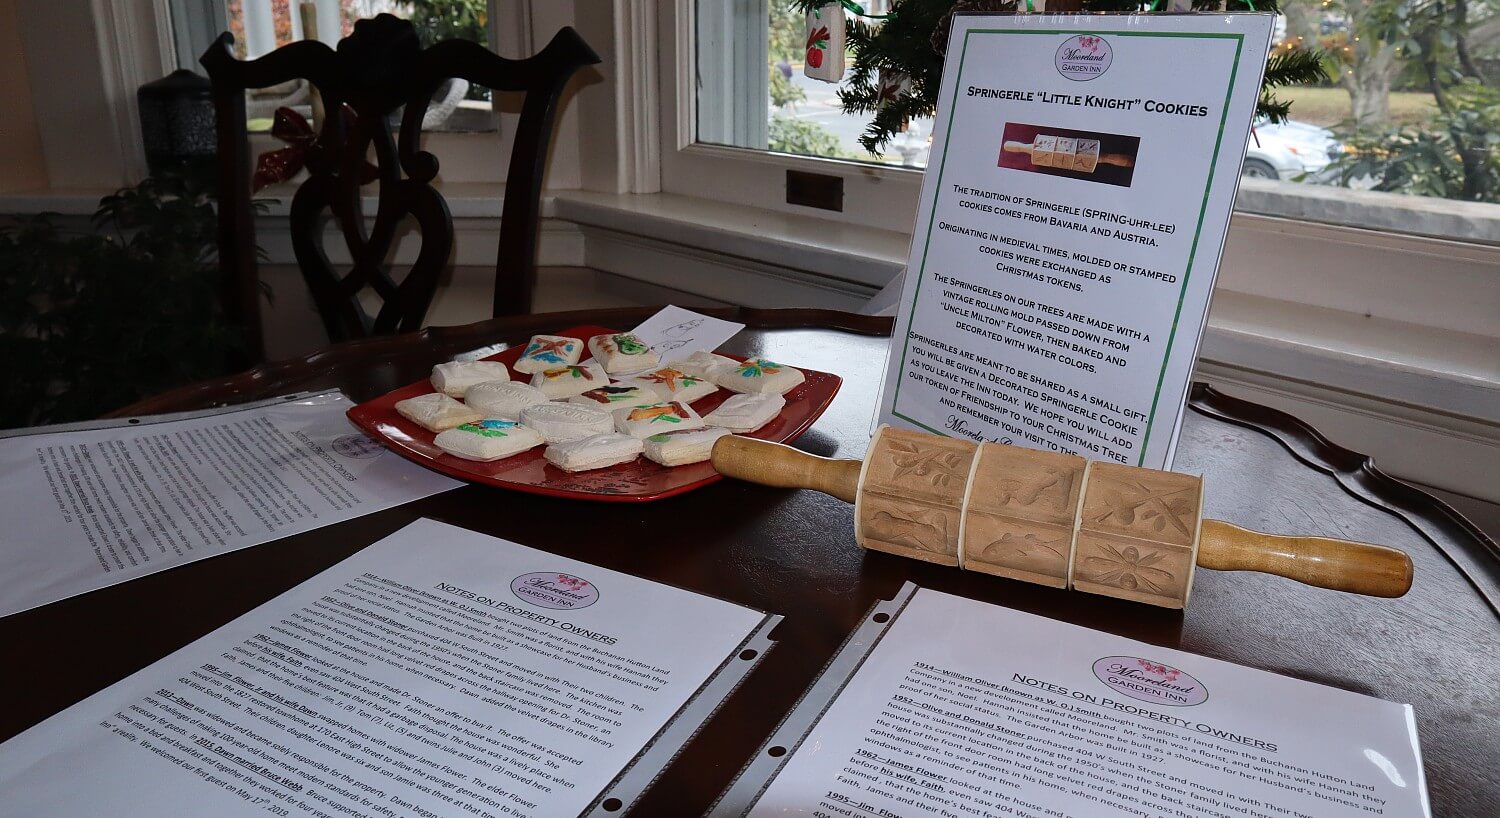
x,y
793,553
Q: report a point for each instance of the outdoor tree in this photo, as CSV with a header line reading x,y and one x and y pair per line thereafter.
x,y
910,40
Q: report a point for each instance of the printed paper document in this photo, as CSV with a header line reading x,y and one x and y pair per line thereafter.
x,y
86,509
1008,714
439,672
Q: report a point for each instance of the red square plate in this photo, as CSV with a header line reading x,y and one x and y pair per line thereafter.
x,y
640,481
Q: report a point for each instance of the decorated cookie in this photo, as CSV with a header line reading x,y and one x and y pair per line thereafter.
x,y
760,376
503,399
454,377
703,364
682,446
488,439
622,352
595,452
674,384
745,413
562,422
566,381
614,396
549,352
435,411
640,421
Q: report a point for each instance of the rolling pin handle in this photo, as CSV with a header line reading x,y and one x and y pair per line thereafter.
x,y
775,464
1340,565
1018,147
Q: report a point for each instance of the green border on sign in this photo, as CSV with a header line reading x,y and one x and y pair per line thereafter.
x,y
1192,252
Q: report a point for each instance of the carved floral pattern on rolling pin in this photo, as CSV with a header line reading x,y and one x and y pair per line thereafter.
x,y
938,467
1138,534
1026,547
1128,567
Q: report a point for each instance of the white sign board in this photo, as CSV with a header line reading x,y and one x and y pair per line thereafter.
x,y
1070,227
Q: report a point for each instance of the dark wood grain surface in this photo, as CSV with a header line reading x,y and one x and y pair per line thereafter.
x,y
792,553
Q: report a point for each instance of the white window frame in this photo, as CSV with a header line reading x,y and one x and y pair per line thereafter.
x,y
885,197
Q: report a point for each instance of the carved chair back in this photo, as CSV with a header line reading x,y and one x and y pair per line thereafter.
x,y
377,69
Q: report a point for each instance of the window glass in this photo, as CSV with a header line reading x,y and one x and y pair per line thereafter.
x,y
261,26
1410,104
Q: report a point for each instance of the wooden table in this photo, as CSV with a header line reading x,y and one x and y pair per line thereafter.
x,y
792,552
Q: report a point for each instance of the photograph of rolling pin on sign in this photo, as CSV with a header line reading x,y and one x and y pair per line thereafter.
x,y
1088,156
1053,519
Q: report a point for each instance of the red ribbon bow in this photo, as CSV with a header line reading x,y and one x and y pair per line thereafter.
x,y
282,164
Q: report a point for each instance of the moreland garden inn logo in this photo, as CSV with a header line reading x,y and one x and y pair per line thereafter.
x,y
1084,57
1149,681
560,592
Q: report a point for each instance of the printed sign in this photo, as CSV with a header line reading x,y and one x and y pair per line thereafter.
x,y
1070,228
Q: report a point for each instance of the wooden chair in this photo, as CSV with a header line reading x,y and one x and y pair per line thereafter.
x,y
376,69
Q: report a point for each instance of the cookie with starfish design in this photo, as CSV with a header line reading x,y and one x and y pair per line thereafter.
x,y
760,376
549,352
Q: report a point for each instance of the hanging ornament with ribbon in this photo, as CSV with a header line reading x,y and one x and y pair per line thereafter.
x,y
825,43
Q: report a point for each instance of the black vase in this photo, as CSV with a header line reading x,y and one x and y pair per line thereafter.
x,y
177,122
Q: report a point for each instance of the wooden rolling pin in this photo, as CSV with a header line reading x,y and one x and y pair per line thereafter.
x,y
1068,153
1053,519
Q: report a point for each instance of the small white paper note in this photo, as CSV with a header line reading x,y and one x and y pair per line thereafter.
x,y
1008,714
84,510
439,672
677,333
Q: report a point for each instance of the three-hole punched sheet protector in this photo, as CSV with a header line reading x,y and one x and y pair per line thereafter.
x,y
943,706
438,672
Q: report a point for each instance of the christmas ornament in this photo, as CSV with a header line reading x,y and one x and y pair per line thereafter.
x,y
893,85
825,43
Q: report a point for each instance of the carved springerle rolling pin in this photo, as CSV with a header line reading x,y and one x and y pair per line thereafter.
x,y
1068,153
1053,519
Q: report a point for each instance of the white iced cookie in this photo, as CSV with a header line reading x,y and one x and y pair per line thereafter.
x,y
703,364
503,399
488,439
549,352
614,396
622,352
640,421
562,422
746,413
760,376
566,381
595,452
456,376
674,384
435,411
681,447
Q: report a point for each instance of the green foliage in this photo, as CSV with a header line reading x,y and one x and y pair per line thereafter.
x,y
786,32
438,20
91,322
905,42
1295,66
783,92
789,135
1457,156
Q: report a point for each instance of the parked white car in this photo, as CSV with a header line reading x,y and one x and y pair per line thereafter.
x,y
1291,151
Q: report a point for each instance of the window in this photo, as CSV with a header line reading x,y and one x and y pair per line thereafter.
x,y
261,26
1410,106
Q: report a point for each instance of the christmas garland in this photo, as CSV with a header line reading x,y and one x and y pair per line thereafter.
x,y
898,57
